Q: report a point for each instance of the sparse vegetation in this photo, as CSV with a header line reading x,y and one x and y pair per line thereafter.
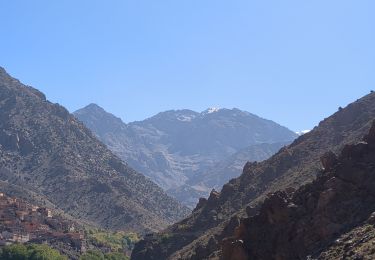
x,y
117,241
182,227
165,237
97,255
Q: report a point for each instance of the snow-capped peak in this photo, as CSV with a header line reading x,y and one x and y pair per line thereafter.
x,y
211,110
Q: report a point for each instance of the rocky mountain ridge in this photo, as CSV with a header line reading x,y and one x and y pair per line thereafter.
x,y
178,148
308,222
47,153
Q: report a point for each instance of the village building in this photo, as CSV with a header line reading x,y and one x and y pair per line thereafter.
x,y
21,222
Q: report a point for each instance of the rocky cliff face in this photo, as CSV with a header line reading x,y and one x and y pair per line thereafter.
x,y
315,220
199,236
180,149
47,153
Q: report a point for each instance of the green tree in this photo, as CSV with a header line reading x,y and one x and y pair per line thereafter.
x,y
116,256
14,252
92,255
30,252
97,255
44,252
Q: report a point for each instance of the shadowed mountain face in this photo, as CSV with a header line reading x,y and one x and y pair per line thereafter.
x,y
180,150
49,155
200,235
331,218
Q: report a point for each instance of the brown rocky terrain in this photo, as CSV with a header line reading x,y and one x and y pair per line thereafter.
x,y
358,243
48,156
331,218
199,236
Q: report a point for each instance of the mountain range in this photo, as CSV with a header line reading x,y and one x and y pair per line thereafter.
x,y
312,199
185,152
49,157
219,218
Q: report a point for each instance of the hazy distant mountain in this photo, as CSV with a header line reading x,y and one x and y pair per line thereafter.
x,y
200,185
46,153
229,168
178,148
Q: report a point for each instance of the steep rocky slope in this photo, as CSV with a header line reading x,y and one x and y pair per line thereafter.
x,y
177,148
331,218
199,235
47,153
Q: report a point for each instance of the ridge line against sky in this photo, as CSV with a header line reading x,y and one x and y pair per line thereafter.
x,y
293,62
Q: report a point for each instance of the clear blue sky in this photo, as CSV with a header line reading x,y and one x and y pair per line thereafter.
x,y
293,62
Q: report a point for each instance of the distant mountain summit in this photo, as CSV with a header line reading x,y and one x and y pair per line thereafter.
x,y
100,121
178,148
47,155
210,110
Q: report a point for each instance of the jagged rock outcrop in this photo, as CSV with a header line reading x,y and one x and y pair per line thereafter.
x,y
307,223
292,167
48,154
185,152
